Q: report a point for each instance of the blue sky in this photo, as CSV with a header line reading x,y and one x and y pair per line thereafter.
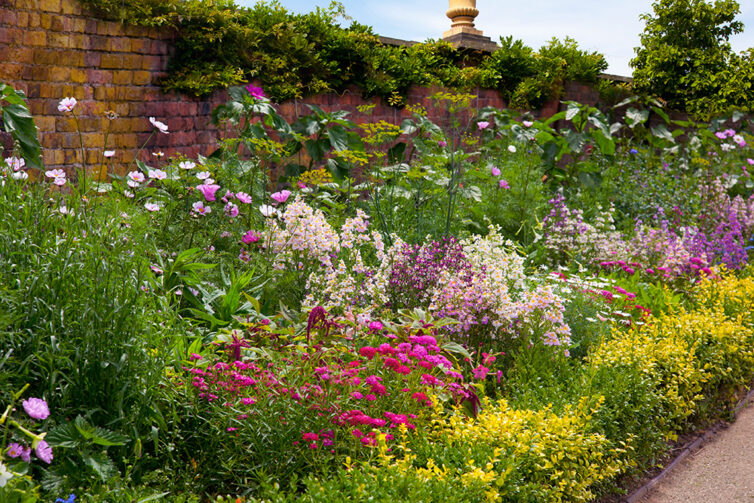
x,y
611,27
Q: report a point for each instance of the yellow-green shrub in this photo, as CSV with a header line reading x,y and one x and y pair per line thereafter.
x,y
735,296
667,360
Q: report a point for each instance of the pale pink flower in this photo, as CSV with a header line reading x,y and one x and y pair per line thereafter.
x,y
720,135
482,125
152,207
20,175
186,165
60,181
109,153
208,190
503,184
512,149
495,171
44,452
750,161
55,173
528,123
203,175
128,194
157,174
162,127
36,408
15,163
67,105
281,196
200,209
243,197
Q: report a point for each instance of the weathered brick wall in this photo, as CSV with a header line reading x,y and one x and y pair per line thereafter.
x,y
54,48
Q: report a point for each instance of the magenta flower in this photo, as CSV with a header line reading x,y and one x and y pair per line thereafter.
x,y
208,191
482,125
26,454
442,143
375,326
44,452
67,105
231,210
36,408
250,237
281,196
480,372
495,171
256,92
503,184
243,197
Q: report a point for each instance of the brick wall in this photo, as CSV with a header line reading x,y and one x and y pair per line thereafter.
x,y
54,48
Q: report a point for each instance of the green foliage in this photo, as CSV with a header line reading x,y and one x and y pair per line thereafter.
x,y
295,55
686,59
17,121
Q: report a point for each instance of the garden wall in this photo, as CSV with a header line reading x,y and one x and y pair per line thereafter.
x,y
54,48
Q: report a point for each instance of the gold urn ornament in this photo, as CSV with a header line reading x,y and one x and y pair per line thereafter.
x,y
462,13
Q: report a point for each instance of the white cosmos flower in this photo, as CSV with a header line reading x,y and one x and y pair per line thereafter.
x,y
161,126
186,165
267,210
512,149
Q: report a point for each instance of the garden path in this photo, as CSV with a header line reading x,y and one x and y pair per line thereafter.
x,y
722,471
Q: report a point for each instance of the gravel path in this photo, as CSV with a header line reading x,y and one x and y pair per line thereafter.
x,y
722,471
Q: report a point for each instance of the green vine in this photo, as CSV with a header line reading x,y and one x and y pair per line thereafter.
x,y
219,44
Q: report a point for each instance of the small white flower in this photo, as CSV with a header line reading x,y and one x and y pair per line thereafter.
x,y
109,153
128,194
5,475
67,105
267,210
512,149
203,175
162,127
186,165
20,175
159,153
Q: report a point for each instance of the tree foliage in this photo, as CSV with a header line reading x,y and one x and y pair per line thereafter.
x,y
686,58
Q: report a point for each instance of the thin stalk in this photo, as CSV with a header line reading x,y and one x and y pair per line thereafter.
x,y
140,149
82,173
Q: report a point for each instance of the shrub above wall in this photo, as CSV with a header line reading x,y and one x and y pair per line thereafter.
x,y
294,55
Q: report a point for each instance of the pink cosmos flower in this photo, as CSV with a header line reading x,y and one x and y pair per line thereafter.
x,y
243,197
36,408
152,207
136,176
67,105
15,163
495,171
162,127
256,92
482,125
528,123
208,190
200,209
44,452
231,210
281,196
503,184
203,175
720,135
157,174
55,173
750,161
250,237
186,165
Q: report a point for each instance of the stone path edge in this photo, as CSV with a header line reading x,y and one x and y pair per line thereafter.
x,y
638,494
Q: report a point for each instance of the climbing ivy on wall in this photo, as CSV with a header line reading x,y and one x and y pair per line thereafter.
x,y
219,44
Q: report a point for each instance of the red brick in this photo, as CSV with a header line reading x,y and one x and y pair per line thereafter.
x,y
91,26
119,44
58,40
50,5
123,77
140,45
92,59
97,43
142,78
111,61
99,77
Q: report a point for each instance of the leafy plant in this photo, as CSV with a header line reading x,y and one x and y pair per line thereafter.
x,y
17,121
